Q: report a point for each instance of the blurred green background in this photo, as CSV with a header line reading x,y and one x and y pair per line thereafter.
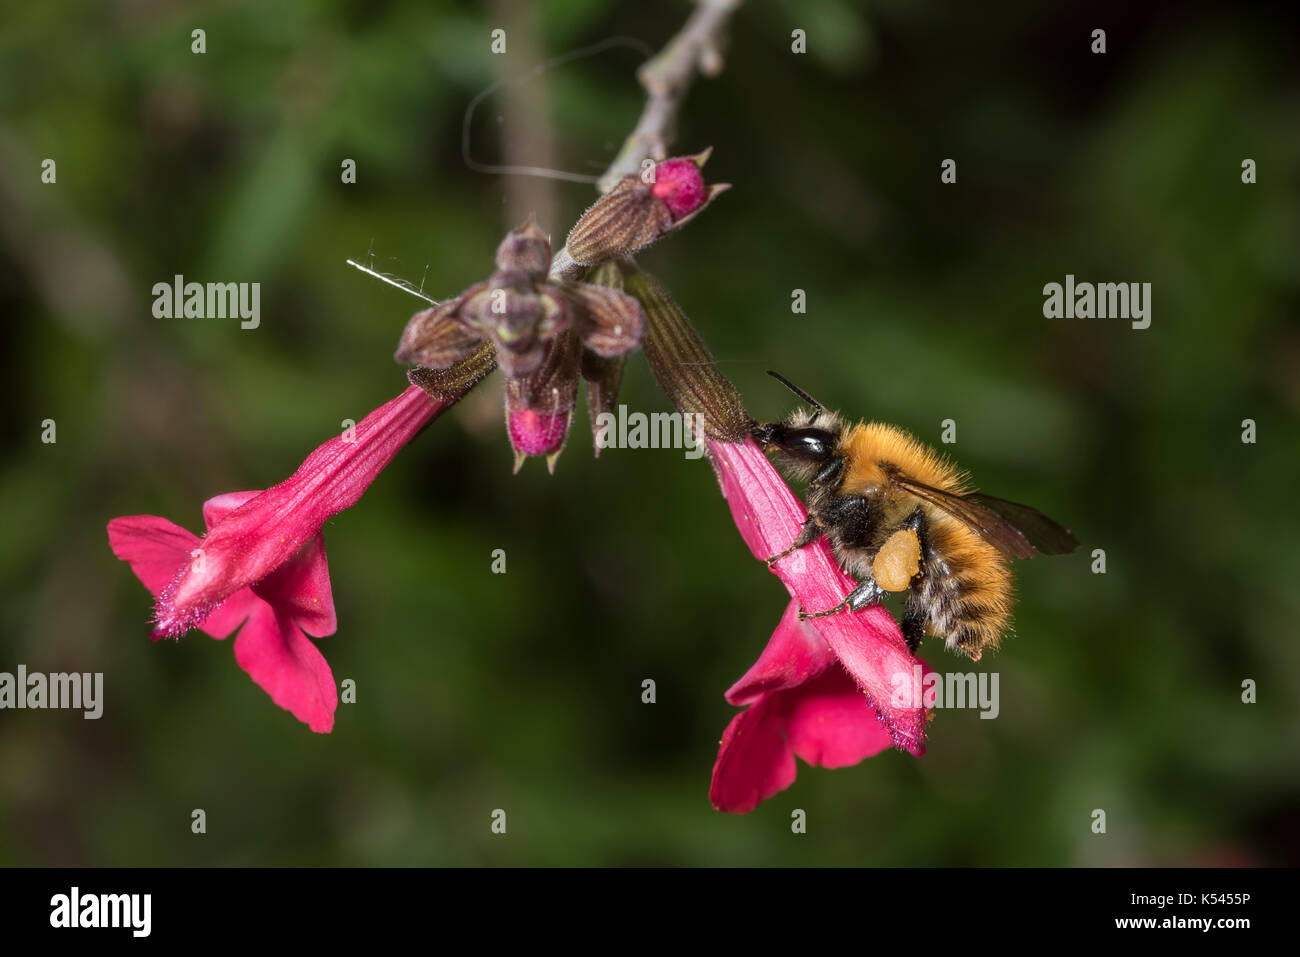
x,y
522,691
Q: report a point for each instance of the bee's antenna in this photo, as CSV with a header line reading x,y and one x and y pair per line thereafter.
x,y
796,390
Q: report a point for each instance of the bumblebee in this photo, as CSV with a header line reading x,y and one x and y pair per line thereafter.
x,y
900,518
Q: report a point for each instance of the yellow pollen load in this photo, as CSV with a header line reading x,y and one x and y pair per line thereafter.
x,y
898,561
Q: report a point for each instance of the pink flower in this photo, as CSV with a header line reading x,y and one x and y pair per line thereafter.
x,y
798,703
262,561
277,613
250,542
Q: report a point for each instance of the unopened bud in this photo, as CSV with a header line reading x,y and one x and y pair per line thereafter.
x,y
603,377
436,338
681,187
636,212
527,250
539,407
537,433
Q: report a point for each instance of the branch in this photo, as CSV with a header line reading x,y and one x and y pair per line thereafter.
x,y
697,48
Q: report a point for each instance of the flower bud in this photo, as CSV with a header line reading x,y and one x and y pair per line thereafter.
x,y
603,373
610,322
680,186
641,208
436,338
603,377
526,249
537,433
508,315
539,407
517,309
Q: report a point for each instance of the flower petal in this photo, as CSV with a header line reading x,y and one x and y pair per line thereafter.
x,y
154,547
871,648
219,506
301,588
287,665
754,761
259,536
227,616
826,721
796,653
680,185
831,725
157,551
537,433
869,642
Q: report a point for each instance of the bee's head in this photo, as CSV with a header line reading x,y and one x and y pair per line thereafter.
x,y
806,438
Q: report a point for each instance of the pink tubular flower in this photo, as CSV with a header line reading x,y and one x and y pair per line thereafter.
x,y
275,612
262,561
248,543
798,703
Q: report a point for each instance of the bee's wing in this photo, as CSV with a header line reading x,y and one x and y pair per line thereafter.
x,y
1043,533
1016,530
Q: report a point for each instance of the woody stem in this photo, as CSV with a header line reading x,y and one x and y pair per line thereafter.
x,y
696,48
666,77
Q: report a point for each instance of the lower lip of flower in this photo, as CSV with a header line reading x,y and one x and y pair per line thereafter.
x,y
537,433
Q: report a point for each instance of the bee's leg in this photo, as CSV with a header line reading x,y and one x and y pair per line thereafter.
x,y
917,614
829,474
915,522
914,625
867,593
808,534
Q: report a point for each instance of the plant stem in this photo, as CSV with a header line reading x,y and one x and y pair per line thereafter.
x,y
666,77
697,48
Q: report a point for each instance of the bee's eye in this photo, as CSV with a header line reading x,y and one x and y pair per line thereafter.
x,y
813,445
